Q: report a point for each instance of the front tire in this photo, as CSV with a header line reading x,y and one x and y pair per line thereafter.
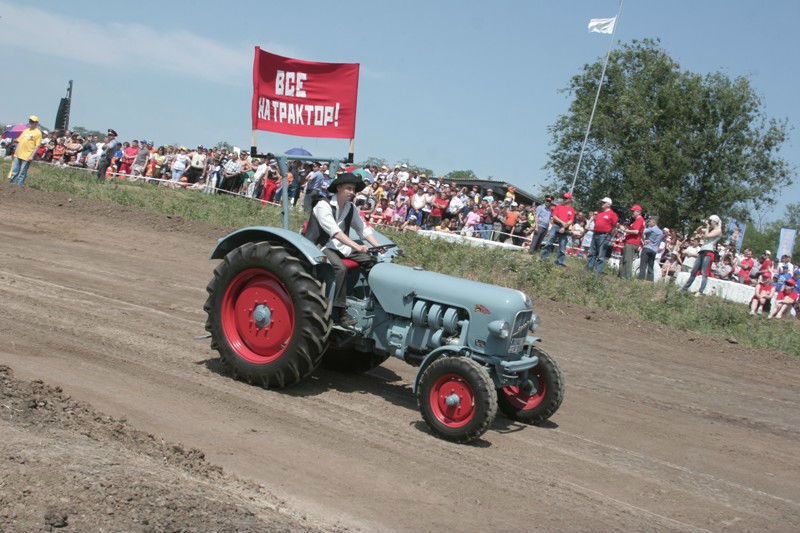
x,y
541,405
266,316
457,399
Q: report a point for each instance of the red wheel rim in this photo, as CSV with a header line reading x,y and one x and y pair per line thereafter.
x,y
249,290
452,386
522,401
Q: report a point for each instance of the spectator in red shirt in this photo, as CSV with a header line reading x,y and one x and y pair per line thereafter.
x,y
764,293
632,243
745,265
784,300
560,222
604,223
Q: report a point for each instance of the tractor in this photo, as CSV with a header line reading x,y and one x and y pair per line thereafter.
x,y
269,317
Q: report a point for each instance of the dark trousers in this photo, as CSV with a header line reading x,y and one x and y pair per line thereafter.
x,y
647,260
340,273
626,265
536,238
102,166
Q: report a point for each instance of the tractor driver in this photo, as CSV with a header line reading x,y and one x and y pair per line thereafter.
x,y
334,218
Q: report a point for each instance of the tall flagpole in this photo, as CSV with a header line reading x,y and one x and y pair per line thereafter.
x,y
596,97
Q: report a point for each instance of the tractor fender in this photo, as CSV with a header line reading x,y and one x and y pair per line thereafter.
x,y
294,242
442,351
530,340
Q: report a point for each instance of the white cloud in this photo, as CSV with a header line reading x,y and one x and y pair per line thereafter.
x,y
116,45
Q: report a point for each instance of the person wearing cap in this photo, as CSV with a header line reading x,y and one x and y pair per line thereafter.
x,y
560,224
653,235
632,242
27,143
542,215
785,299
764,292
402,172
710,233
604,223
329,227
106,157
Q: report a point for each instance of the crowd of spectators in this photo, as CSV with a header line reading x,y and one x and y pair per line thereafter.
x,y
408,200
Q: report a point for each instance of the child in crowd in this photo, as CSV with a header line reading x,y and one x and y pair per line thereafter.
x,y
671,266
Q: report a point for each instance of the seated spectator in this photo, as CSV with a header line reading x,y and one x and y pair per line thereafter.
x,y
763,296
784,300
724,269
58,154
671,266
786,263
690,253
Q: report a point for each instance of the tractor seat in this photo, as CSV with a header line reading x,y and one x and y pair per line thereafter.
x,y
349,264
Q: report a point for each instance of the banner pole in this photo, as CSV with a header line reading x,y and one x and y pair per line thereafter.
x,y
253,149
596,97
352,151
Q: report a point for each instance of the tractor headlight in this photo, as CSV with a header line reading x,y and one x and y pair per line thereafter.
x,y
500,328
536,321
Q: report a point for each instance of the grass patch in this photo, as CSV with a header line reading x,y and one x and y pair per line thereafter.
x,y
657,303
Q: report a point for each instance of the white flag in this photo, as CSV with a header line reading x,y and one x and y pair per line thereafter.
x,y
602,25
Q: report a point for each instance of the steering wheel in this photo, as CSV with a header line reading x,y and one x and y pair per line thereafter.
x,y
382,249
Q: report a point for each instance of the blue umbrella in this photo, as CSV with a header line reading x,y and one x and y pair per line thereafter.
x,y
298,151
365,174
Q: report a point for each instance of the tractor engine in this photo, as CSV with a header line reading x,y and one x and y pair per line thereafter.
x,y
416,311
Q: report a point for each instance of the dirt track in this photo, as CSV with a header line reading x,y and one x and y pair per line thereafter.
x,y
659,430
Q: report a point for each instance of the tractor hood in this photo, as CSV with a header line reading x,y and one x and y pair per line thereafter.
x,y
397,287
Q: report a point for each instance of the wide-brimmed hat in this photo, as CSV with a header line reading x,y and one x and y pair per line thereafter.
x,y
347,177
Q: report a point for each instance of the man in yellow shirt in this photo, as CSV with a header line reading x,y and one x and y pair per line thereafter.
x,y
27,143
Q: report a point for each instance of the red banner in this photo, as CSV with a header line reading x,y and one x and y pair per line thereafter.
x,y
305,98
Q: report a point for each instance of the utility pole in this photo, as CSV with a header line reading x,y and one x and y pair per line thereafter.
x,y
596,97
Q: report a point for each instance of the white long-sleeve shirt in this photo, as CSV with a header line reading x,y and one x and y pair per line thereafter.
x,y
332,222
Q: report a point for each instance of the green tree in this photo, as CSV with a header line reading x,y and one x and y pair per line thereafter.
x,y
84,132
683,145
373,161
767,237
460,175
223,145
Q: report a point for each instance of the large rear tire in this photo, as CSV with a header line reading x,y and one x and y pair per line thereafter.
x,y
541,405
457,398
266,316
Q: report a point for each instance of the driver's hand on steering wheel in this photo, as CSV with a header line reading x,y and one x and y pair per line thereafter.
x,y
361,248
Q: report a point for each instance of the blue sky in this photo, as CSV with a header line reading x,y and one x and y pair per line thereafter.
x,y
449,85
